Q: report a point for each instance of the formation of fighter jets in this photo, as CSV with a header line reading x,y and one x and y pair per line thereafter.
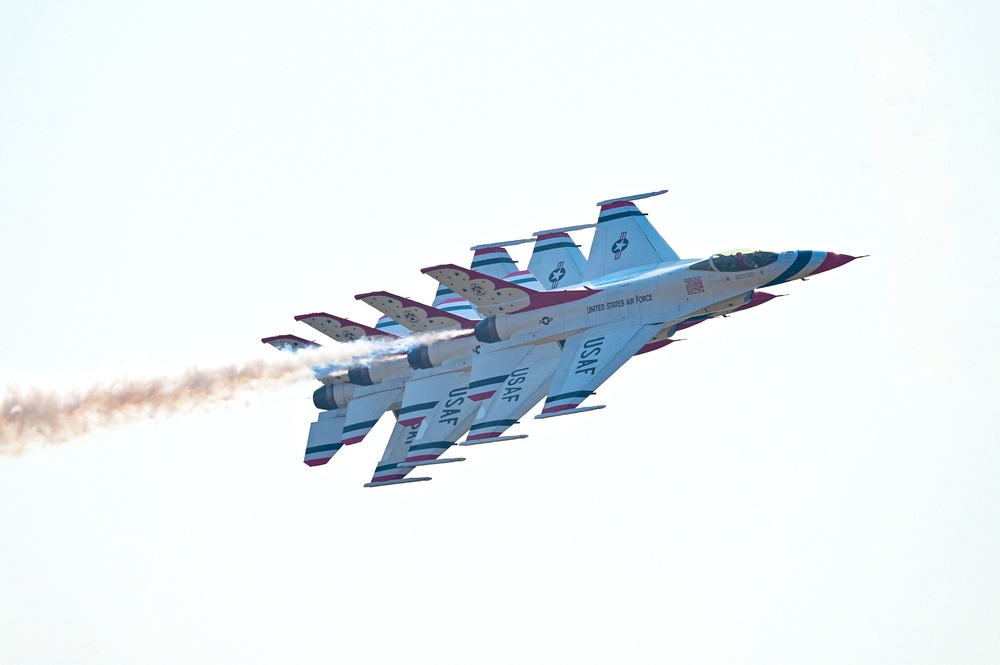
x,y
557,331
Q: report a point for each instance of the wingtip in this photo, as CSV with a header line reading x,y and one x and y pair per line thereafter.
x,y
275,338
362,296
302,317
443,266
635,197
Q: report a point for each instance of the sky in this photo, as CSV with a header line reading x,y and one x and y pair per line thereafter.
x,y
809,481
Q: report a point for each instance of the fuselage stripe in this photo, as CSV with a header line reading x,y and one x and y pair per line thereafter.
x,y
801,259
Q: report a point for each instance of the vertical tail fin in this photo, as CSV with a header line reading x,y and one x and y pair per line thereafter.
x,y
324,438
625,240
556,260
493,260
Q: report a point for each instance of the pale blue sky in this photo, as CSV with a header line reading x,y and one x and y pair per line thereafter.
x,y
811,481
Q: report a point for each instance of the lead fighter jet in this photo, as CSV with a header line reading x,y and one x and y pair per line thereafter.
x,y
635,289
631,296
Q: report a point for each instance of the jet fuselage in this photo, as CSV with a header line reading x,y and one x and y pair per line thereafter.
x,y
666,295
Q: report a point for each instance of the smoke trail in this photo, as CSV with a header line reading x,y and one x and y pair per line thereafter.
x,y
33,414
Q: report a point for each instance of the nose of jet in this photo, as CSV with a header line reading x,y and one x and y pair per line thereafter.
x,y
833,261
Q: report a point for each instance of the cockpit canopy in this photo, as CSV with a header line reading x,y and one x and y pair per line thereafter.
x,y
736,260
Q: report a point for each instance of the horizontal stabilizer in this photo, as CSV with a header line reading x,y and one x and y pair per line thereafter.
x,y
493,440
289,343
428,462
496,296
579,409
293,344
339,328
324,438
413,315
400,481
364,411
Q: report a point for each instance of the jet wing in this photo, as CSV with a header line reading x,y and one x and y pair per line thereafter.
x,y
388,471
324,437
422,395
493,296
412,315
418,440
448,420
491,367
522,379
588,359
339,328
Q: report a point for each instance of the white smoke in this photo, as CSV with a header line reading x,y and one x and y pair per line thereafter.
x,y
33,414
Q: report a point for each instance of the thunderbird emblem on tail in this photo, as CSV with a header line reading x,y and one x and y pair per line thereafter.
x,y
620,246
556,275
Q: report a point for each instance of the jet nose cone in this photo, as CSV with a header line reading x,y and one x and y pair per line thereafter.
x,y
833,261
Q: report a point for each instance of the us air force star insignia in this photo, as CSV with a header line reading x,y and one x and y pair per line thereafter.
x,y
545,320
556,275
620,246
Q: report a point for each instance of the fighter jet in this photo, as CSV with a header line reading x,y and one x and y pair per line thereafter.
x,y
352,402
635,289
556,331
